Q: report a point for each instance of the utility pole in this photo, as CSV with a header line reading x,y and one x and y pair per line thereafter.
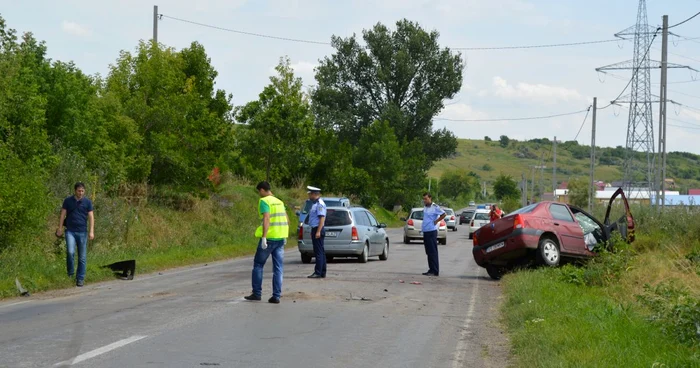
x,y
523,190
590,184
532,184
155,24
554,170
662,111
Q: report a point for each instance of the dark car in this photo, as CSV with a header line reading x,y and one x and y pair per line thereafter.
x,y
466,217
546,231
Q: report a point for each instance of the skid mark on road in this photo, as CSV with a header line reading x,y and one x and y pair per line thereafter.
x,y
459,355
99,351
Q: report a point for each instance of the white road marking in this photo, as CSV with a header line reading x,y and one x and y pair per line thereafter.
x,y
237,301
18,303
100,351
459,356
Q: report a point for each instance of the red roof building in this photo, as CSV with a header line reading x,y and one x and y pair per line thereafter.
x,y
694,192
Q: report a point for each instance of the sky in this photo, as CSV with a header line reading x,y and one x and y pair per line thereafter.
x,y
497,83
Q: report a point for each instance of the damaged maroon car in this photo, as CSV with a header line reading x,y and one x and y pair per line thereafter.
x,y
546,232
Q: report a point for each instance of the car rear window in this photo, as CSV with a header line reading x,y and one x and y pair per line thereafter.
x,y
450,212
335,218
333,204
418,215
481,216
526,209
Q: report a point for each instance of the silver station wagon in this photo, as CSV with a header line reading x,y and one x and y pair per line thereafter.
x,y
350,232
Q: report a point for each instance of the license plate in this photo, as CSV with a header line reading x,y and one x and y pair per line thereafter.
x,y
495,246
331,234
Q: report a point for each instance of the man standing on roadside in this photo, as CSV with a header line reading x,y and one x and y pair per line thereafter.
x,y
273,233
317,220
76,212
432,215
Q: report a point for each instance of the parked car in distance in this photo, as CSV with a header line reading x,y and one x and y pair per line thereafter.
x,y
450,219
481,217
466,216
412,228
350,232
547,232
329,201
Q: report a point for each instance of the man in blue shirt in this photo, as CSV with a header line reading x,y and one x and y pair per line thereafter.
x,y
76,211
432,215
317,220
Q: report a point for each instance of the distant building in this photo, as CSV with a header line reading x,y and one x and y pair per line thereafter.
x,y
679,200
694,192
563,185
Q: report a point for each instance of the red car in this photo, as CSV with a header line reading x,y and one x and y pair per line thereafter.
x,y
546,231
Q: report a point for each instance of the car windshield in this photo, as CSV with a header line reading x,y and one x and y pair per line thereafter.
x,y
481,216
418,215
335,218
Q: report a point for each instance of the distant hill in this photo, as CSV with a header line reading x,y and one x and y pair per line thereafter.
x,y
489,159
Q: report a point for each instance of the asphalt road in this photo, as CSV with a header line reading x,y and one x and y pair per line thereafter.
x,y
195,317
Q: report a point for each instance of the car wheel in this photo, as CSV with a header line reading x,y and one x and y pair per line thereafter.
x,y
406,240
329,259
365,254
443,241
305,259
548,252
494,272
471,235
385,254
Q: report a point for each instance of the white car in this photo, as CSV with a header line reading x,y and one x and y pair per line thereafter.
x,y
481,217
412,229
451,219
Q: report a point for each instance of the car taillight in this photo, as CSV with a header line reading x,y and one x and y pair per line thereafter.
x,y
472,224
410,222
452,218
355,235
443,223
518,222
301,232
475,240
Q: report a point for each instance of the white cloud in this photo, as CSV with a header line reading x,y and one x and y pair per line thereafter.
x,y
75,29
460,111
540,93
691,114
304,67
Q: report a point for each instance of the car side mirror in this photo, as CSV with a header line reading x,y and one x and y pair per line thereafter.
x,y
382,226
298,213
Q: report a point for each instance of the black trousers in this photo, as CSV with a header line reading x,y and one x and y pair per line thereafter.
x,y
431,250
319,251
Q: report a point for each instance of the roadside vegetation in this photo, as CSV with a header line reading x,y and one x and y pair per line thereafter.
x,y
638,306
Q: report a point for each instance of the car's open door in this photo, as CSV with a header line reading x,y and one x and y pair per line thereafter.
x,y
625,224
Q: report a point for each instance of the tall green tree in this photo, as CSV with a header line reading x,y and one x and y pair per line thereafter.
x,y
185,124
456,183
579,192
279,134
400,76
505,187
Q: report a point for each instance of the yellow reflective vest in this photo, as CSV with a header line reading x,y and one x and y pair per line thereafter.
x,y
279,228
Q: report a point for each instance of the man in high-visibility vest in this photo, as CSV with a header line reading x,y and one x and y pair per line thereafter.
x,y
273,233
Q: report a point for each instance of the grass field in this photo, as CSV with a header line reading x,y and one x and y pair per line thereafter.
x,y
489,159
157,236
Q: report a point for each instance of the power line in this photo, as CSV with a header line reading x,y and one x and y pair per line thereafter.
x,y
514,119
245,33
584,122
533,46
687,20
328,43
684,94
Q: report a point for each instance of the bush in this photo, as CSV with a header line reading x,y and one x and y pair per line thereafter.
x,y
674,309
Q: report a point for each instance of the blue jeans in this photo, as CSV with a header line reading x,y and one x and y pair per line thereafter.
x,y
276,248
79,239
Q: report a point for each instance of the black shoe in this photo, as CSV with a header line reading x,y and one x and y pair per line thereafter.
x,y
253,297
274,300
429,274
315,276
79,283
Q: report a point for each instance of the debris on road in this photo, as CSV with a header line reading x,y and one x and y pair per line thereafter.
x,y
362,298
401,281
416,283
22,291
387,290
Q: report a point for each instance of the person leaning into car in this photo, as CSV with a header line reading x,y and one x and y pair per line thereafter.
x,y
432,215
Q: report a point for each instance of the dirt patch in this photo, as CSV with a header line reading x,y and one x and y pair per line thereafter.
x,y
301,295
159,294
